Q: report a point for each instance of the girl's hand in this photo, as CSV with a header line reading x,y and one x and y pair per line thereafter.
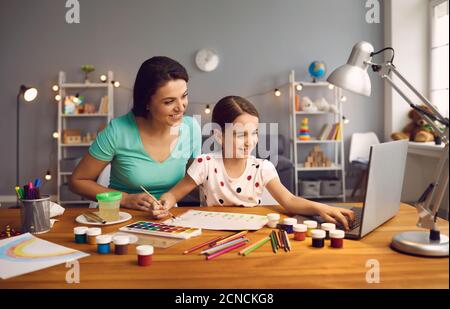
x,y
140,201
335,215
161,208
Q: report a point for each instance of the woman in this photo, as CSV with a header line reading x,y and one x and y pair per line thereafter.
x,y
149,146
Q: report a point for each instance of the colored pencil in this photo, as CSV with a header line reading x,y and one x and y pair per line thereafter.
x,y
252,248
281,239
18,192
287,241
274,235
278,239
202,245
272,242
231,237
156,201
223,246
228,249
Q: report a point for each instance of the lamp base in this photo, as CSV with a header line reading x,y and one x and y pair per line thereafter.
x,y
419,243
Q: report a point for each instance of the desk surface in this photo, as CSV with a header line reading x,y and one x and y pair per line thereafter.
x,y
304,267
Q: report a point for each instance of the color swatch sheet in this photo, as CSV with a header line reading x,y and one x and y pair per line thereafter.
x,y
211,220
25,253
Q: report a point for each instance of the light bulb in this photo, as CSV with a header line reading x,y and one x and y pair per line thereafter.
x,y
345,119
116,84
55,87
277,92
103,78
331,86
30,94
343,98
48,176
299,87
57,97
207,109
55,134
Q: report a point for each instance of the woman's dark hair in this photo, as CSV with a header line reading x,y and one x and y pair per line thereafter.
x,y
231,107
154,73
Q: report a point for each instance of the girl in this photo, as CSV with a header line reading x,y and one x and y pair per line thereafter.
x,y
234,177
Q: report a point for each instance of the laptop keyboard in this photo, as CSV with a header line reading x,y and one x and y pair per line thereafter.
x,y
353,224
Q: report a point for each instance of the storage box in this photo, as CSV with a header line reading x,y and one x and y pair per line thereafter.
x,y
331,187
310,188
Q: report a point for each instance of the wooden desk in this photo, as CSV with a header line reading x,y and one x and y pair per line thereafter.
x,y
304,267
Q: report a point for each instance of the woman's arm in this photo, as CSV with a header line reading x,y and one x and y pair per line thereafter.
x,y
84,183
298,205
181,189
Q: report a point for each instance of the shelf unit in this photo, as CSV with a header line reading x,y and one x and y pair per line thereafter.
x,y
63,150
321,117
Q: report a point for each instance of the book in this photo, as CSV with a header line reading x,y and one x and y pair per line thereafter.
x,y
103,108
325,131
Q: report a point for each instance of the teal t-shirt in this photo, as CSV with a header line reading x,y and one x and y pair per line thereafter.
x,y
131,166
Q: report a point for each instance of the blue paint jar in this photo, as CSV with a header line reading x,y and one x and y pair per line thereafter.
x,y
288,225
80,234
103,244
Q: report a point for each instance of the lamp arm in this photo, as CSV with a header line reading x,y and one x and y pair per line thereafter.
x,y
431,200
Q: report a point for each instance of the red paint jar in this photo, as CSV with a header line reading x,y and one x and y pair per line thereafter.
x,y
337,238
300,232
145,254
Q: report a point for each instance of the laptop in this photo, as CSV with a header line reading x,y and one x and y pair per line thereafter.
x,y
383,192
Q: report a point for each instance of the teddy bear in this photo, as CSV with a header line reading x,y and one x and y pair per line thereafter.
x,y
307,105
323,105
417,130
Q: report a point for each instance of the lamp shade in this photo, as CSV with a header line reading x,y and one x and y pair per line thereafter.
x,y
353,75
29,93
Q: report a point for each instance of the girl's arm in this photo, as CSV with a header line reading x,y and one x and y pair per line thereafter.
x,y
299,205
181,189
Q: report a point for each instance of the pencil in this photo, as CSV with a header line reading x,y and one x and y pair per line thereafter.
x,y
223,246
202,245
281,239
272,242
287,241
228,249
274,235
278,239
255,246
156,201
231,237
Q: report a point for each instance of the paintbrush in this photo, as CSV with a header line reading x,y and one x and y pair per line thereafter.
x,y
94,217
156,201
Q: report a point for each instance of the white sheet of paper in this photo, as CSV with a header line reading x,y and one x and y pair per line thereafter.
x,y
211,220
26,253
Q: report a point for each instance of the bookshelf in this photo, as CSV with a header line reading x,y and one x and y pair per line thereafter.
x,y
91,122
326,130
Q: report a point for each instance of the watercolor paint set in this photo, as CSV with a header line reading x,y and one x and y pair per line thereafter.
x,y
161,229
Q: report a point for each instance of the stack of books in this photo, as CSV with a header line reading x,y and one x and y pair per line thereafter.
x,y
331,132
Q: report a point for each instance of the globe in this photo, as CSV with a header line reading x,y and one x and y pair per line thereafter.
x,y
317,69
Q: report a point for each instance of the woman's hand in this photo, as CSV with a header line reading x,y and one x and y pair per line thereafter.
x,y
335,214
139,201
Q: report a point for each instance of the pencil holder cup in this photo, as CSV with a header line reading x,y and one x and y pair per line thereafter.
x,y
35,215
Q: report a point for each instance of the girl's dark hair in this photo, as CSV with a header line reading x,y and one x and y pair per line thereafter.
x,y
231,107
154,73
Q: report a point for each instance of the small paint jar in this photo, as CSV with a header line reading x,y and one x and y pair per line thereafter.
x,y
92,233
318,238
80,234
288,225
300,231
103,244
311,225
328,227
273,220
145,253
337,238
121,244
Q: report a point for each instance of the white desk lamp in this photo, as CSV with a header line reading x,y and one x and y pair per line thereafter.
x,y
353,76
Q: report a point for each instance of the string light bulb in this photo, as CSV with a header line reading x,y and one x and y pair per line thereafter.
x,y
48,176
277,92
115,83
103,78
345,120
57,97
299,87
331,86
55,135
343,98
207,109
55,87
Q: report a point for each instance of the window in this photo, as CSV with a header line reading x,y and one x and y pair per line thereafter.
x,y
439,55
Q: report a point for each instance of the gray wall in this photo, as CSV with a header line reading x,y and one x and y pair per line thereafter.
x,y
259,42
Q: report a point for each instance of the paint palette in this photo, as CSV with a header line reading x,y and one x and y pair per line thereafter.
x,y
161,229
